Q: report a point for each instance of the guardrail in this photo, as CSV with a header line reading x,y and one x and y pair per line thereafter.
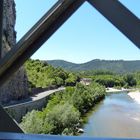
x,y
17,136
17,111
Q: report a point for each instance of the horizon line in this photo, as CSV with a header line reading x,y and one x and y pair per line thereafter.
x,y
86,61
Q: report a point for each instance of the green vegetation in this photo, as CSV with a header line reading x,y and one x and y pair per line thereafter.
x,y
109,79
41,74
95,72
64,110
130,80
137,78
117,66
126,81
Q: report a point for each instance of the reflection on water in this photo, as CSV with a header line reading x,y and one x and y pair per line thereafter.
x,y
117,116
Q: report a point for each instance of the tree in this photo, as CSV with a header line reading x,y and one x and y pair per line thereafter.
x,y
41,74
59,81
130,80
32,122
71,80
62,116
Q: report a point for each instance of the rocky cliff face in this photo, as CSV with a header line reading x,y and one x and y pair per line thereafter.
x,y
17,86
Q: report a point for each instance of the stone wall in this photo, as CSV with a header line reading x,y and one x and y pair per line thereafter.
x,y
19,110
17,86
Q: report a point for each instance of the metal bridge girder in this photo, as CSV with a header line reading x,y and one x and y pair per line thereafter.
x,y
121,17
36,36
1,25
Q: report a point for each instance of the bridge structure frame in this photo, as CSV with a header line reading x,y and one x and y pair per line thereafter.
x,y
121,17
1,24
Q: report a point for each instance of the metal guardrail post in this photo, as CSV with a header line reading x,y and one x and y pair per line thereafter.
x,y
1,25
120,17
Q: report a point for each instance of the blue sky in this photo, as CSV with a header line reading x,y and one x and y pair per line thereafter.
x,y
85,36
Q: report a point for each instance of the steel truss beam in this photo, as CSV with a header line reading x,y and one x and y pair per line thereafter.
x,y
1,25
7,124
120,17
38,34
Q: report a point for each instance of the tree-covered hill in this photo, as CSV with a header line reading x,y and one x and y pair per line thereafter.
x,y
43,75
117,66
61,63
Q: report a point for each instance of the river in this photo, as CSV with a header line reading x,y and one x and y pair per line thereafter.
x,y
116,116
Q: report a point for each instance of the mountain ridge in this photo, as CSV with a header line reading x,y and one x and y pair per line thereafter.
x,y
118,66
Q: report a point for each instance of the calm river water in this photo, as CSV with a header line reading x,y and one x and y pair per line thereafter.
x,y
117,116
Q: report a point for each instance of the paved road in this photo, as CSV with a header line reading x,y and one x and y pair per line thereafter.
x,y
45,93
35,97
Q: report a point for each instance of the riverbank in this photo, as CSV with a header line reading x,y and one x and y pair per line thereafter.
x,y
73,103
115,112
135,95
109,90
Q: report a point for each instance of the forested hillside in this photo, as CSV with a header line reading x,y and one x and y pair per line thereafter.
x,y
43,75
117,66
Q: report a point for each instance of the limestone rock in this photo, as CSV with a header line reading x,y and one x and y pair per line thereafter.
x,y
17,86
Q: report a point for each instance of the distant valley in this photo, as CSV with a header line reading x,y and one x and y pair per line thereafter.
x,y
118,66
